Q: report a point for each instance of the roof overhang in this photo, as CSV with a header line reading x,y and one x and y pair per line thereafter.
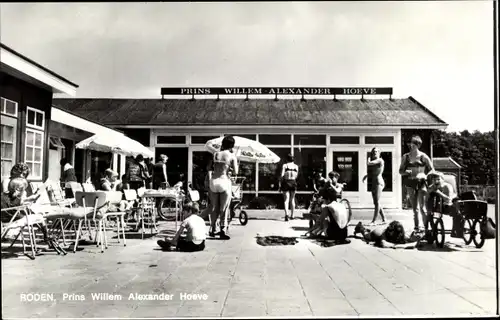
x,y
284,126
75,121
36,72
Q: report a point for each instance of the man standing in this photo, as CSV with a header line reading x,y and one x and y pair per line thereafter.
x,y
160,178
135,176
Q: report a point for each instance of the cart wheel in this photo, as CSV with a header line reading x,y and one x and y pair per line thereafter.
x,y
468,231
477,237
243,217
439,232
347,205
167,209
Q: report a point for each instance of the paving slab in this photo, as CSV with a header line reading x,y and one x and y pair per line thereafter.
x,y
241,278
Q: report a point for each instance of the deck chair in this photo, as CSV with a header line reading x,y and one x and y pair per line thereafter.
x,y
49,202
6,227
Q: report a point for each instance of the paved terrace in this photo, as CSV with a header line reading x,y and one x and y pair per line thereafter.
x,y
242,278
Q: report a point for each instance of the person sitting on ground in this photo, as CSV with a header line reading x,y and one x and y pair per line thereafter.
x,y
16,197
195,235
444,190
334,216
388,236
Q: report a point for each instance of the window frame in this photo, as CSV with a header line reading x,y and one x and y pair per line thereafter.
x,y
32,174
13,144
34,126
3,107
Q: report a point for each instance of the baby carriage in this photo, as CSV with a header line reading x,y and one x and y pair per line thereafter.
x,y
235,205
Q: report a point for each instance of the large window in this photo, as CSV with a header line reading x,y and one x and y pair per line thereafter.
x,y
247,170
269,173
346,164
308,160
34,152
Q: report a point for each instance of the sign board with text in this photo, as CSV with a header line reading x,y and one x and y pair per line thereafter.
x,y
276,91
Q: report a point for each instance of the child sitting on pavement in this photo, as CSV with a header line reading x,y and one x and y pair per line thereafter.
x,y
195,235
334,217
390,236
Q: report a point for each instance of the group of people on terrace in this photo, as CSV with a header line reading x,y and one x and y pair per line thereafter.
x,y
333,217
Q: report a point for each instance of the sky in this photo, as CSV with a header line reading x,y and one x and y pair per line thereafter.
x,y
440,53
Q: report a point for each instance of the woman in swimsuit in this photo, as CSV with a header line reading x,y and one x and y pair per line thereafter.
x,y
220,185
289,174
414,167
390,236
375,170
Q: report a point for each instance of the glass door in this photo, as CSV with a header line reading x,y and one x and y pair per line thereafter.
x,y
346,161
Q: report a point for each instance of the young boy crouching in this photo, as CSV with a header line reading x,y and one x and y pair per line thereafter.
x,y
195,232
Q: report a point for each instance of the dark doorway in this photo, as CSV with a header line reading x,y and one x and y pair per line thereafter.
x,y
177,163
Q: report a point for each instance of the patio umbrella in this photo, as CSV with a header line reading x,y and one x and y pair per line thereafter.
x,y
120,144
246,150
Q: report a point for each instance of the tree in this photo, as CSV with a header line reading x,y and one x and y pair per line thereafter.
x,y
475,152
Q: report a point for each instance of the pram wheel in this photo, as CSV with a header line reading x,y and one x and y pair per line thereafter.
x,y
468,231
477,237
243,217
347,205
439,232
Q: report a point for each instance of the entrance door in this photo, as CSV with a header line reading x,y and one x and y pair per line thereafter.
x,y
388,198
346,161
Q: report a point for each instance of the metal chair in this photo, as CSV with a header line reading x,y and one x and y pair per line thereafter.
x,y
114,197
89,204
6,227
88,187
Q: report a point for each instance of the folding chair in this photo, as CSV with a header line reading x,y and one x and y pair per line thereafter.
x,y
48,201
6,227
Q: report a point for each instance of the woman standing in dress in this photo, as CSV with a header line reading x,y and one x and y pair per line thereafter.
x,y
375,179
289,174
414,167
